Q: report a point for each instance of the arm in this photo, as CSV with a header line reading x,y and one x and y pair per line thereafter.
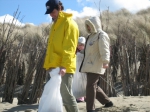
x,y
71,35
104,43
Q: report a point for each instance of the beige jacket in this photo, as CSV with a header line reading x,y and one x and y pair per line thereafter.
x,y
97,49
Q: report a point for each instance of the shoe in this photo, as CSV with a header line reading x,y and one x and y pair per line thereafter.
x,y
81,99
91,111
78,101
109,104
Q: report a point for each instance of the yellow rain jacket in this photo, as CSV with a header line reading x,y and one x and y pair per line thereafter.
x,y
62,43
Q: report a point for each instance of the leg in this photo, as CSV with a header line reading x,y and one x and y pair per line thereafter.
x,y
92,80
69,100
101,96
93,91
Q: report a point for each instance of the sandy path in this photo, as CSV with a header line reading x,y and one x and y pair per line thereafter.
x,y
121,104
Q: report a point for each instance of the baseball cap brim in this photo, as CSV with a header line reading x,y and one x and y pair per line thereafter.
x,y
48,11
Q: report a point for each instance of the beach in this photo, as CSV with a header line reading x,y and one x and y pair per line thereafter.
x,y
121,104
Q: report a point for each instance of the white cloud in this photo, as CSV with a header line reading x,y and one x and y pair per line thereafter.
x,y
48,18
79,1
95,5
133,5
8,19
87,11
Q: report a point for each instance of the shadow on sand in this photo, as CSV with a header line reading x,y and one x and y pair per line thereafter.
x,y
22,108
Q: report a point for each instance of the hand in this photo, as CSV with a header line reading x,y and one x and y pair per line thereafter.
x,y
62,71
105,65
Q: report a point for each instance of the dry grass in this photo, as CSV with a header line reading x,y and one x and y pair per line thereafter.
x,y
22,52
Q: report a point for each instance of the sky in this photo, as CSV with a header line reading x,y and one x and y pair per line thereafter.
x,y
33,11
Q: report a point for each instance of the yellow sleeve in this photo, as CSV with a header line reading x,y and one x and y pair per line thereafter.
x,y
70,44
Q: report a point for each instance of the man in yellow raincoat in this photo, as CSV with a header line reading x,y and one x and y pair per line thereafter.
x,y
61,49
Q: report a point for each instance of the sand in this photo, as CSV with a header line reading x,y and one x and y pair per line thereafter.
x,y
121,104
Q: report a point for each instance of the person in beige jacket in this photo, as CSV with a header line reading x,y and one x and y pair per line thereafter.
x,y
96,60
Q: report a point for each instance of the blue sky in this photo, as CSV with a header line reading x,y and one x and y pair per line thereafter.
x,y
34,10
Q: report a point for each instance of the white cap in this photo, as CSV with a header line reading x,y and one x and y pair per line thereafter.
x,y
81,40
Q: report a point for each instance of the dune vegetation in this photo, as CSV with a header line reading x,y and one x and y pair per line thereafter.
x,y
22,51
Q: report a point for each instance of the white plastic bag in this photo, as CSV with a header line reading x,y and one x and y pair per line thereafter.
x,y
51,100
79,80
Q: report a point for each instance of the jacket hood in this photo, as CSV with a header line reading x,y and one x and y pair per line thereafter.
x,y
65,15
94,23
